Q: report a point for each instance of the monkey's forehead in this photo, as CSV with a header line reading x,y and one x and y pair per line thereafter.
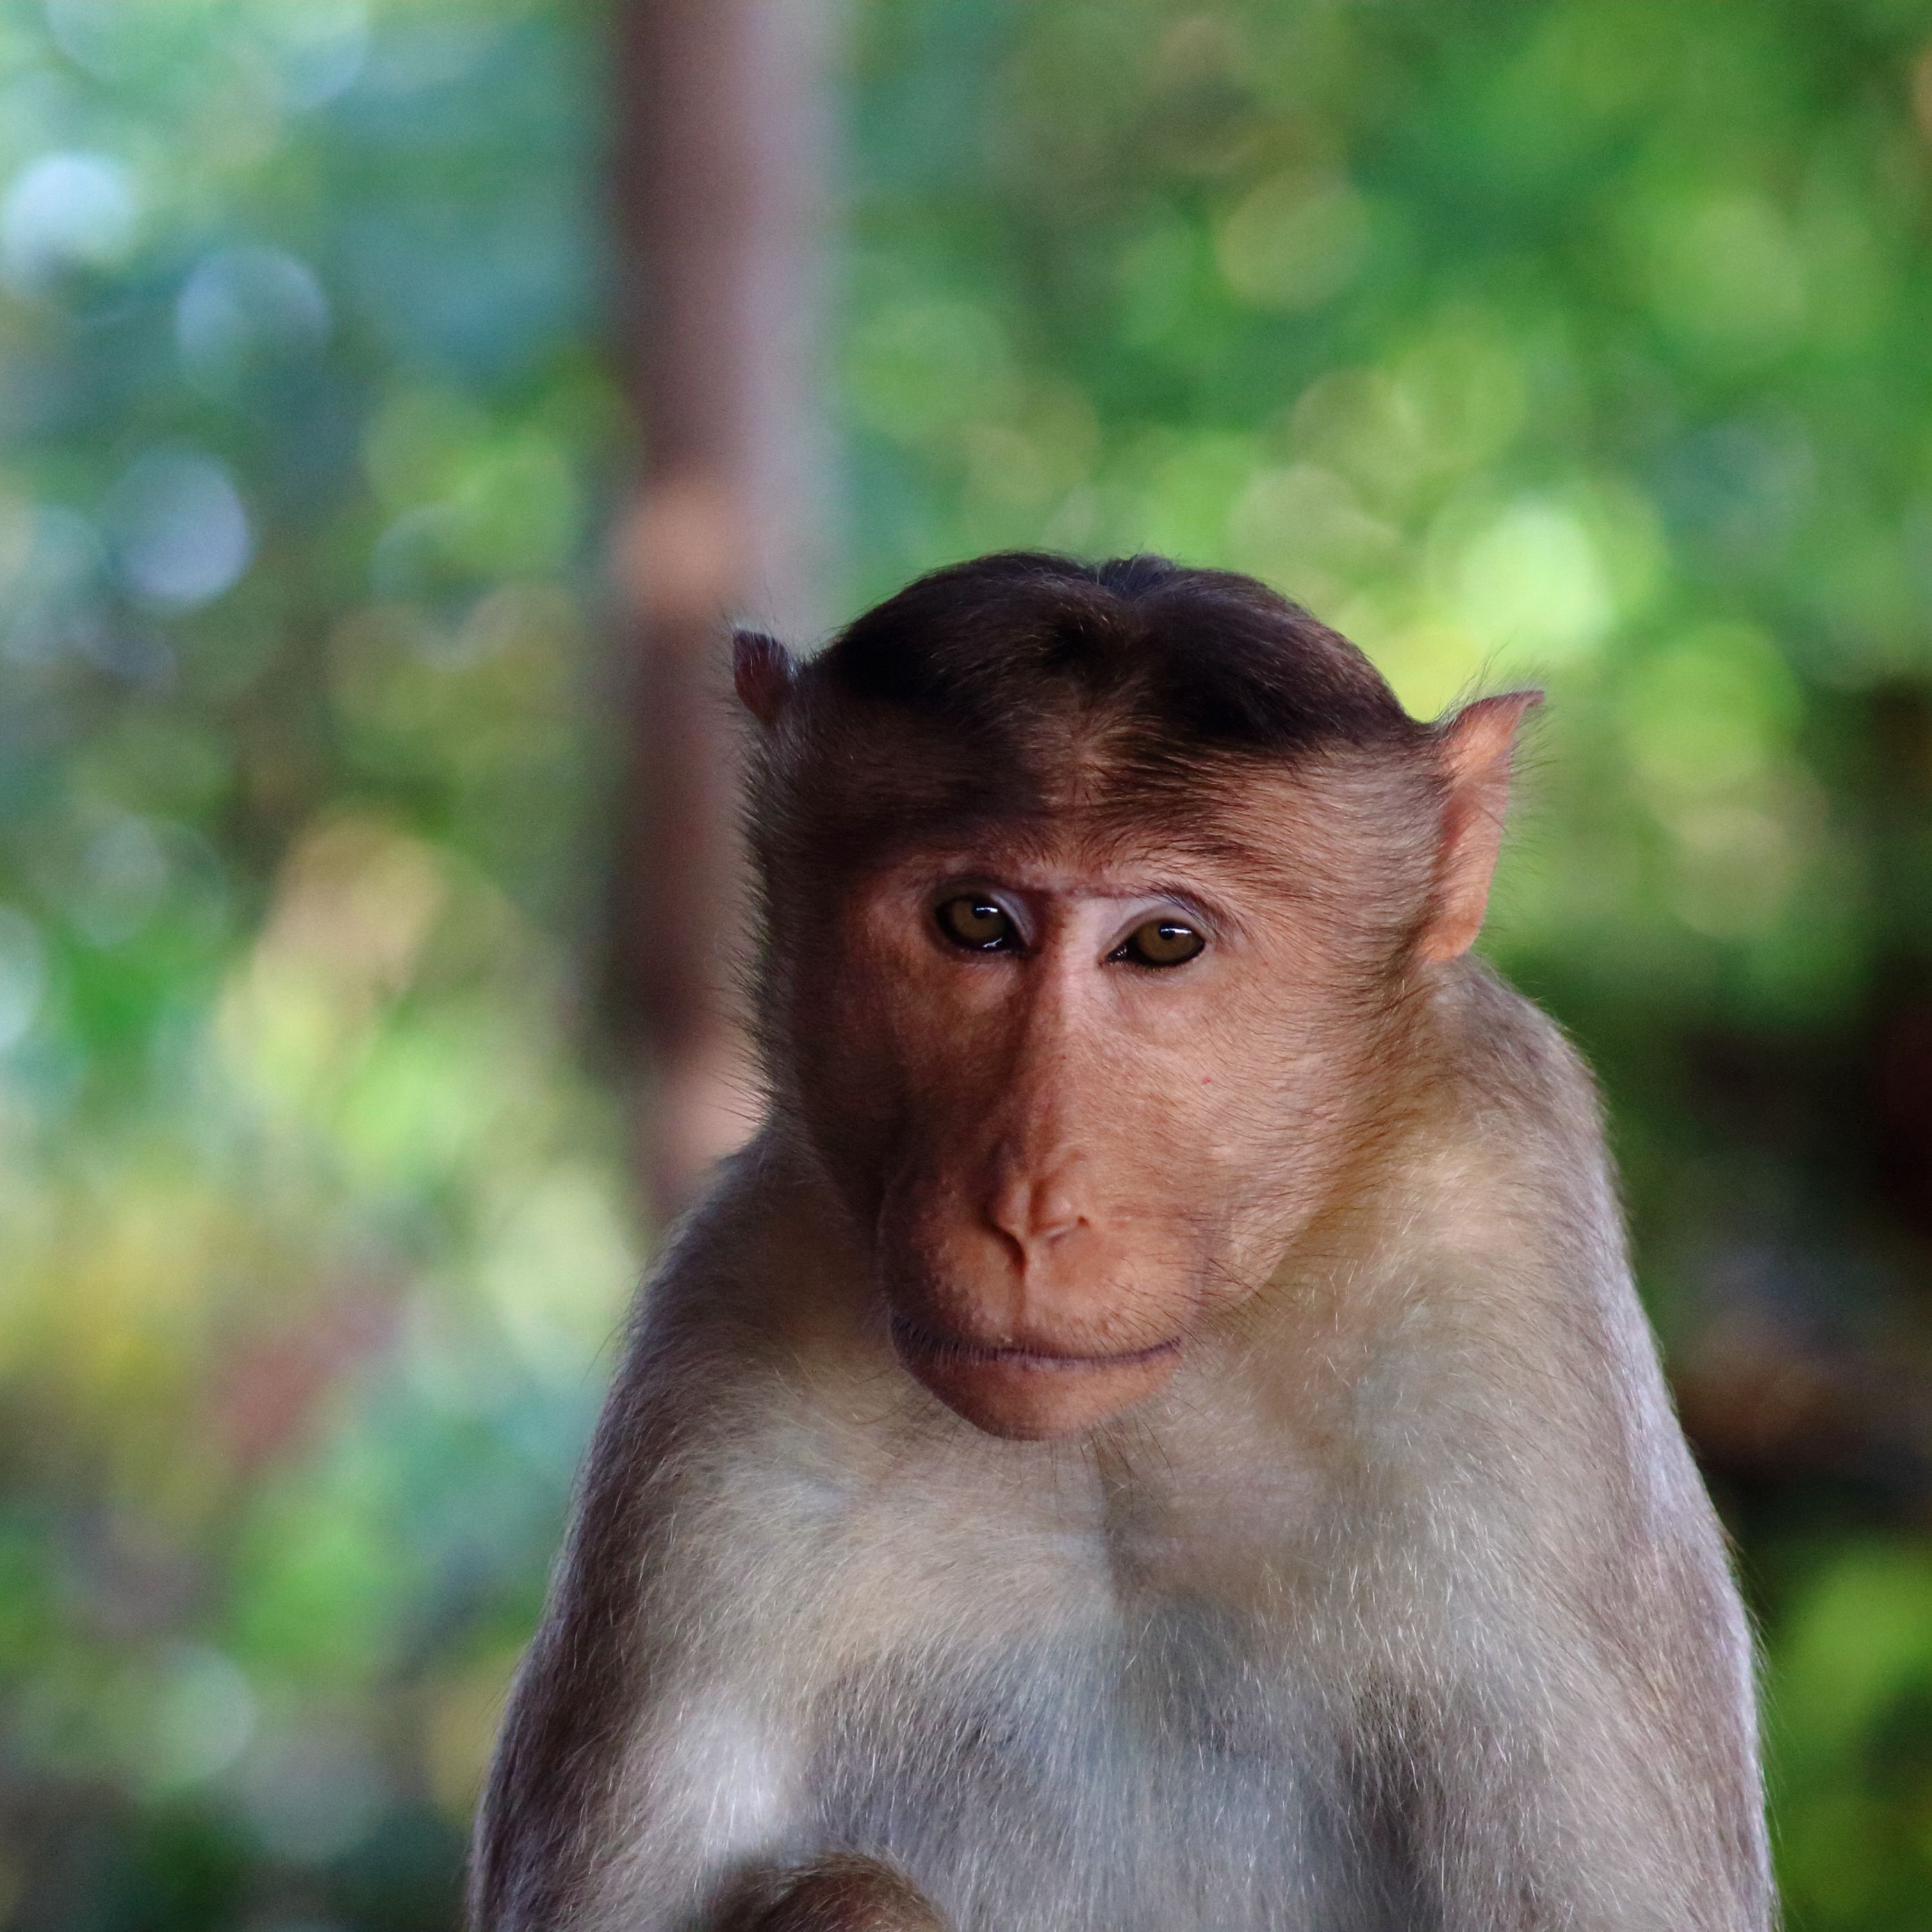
x,y
856,789
1062,859
1280,835
1053,765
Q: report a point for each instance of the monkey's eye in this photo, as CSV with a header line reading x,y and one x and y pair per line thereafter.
x,y
1161,942
978,925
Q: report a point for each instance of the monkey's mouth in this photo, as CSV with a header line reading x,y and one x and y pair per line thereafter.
x,y
1031,1393
909,1337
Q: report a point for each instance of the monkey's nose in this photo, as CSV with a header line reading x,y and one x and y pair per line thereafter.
x,y
1034,1210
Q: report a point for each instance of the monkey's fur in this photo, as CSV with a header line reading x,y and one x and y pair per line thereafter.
x,y
1327,1557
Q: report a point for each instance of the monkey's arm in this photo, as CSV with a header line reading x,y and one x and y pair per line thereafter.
x,y
1569,1780
1574,1744
1585,1692
647,1774
607,1654
564,1736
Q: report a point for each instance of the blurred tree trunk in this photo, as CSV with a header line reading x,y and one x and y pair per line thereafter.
x,y
718,194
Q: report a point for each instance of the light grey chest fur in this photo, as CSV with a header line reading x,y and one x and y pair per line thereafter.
x,y
1150,1772
1044,1710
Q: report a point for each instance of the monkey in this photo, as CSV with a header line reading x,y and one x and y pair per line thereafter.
x,y
1157,1432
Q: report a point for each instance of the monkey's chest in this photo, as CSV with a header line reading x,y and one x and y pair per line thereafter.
x,y
1161,1778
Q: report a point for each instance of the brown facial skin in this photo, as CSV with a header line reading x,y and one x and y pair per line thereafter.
x,y
1072,1158
1062,1112
1038,1277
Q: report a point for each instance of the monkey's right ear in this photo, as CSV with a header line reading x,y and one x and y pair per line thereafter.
x,y
763,670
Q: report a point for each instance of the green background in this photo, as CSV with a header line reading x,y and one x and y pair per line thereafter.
x,y
1584,343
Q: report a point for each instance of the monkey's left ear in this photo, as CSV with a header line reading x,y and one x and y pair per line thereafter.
x,y
1475,747
762,669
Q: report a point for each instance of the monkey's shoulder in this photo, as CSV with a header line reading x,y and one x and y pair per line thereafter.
x,y
1513,1068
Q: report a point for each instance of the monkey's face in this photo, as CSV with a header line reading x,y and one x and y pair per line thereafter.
x,y
1082,1089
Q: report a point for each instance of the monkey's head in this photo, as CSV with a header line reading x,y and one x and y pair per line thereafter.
x,y
1099,902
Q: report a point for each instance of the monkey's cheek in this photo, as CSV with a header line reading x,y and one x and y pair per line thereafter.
x,y
1035,1399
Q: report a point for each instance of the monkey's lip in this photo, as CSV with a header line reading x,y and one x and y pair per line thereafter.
x,y
913,1339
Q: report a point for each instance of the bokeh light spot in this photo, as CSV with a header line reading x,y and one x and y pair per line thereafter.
x,y
64,212
123,878
23,974
205,1714
243,312
1293,242
1533,583
179,533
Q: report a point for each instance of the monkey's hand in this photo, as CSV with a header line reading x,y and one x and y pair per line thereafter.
x,y
843,1893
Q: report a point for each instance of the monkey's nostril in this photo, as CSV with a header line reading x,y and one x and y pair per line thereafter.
x,y
1055,1211
1029,1213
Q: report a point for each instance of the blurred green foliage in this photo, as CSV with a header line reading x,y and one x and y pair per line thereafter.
x,y
310,1229
1583,344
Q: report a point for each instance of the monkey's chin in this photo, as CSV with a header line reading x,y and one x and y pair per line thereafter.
x,y
1027,1396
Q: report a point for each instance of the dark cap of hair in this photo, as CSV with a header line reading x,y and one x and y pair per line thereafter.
x,y
1208,655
